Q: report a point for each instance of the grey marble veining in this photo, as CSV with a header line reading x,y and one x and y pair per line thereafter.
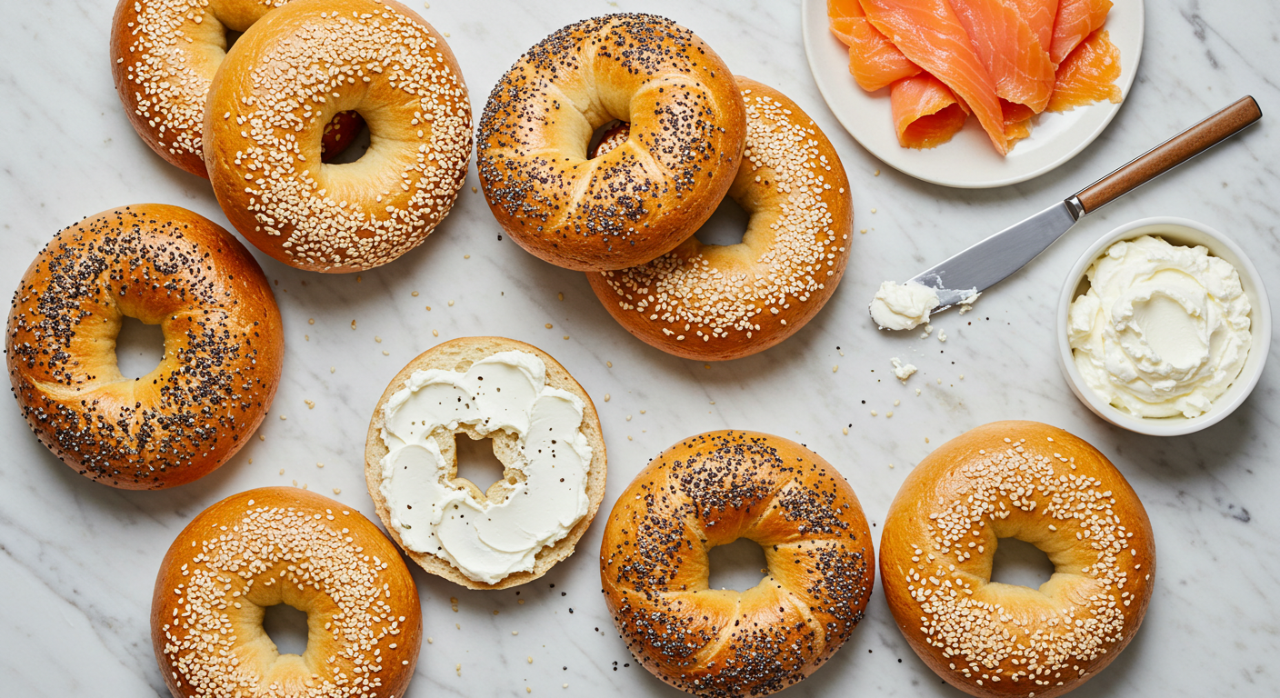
x,y
78,560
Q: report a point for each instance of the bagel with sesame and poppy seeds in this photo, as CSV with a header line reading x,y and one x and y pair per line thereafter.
x,y
271,100
710,490
719,302
164,54
640,200
223,346
1041,485
278,545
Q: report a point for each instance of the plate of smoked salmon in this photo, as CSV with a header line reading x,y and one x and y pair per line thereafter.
x,y
974,93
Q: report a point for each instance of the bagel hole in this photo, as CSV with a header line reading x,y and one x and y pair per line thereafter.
x,y
1020,563
477,462
287,627
139,348
739,565
353,149
605,130
232,37
726,226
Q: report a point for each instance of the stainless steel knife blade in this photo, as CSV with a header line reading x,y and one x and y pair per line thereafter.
x,y
988,262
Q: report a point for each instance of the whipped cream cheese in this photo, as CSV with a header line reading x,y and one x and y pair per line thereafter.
x,y
1163,329
486,539
902,306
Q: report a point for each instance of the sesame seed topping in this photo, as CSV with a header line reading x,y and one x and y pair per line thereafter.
x,y
792,253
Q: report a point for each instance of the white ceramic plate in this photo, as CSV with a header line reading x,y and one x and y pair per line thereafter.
x,y
968,160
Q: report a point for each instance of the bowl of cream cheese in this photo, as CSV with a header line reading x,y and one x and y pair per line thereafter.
x,y
1163,326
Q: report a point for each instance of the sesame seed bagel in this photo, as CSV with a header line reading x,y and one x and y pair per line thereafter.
x,y
459,355
164,54
279,86
284,545
710,490
223,346
1041,485
717,302
640,200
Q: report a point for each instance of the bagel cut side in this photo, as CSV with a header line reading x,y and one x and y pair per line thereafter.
x,y
458,355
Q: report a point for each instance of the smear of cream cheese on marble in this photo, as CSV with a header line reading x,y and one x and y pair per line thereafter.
x,y
1163,329
902,306
486,540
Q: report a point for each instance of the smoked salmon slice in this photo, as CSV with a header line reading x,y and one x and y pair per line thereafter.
x,y
1088,75
925,113
931,36
1004,61
1040,15
1017,121
874,61
1077,19
1010,49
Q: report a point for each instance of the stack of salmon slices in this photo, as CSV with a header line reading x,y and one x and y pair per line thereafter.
x,y
1003,61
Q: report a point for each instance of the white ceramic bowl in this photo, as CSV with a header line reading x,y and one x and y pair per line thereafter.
x,y
1177,231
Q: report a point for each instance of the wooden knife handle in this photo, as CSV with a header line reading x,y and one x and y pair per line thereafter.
x,y
1170,154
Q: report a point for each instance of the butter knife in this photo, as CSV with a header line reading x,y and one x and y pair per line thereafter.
x,y
988,262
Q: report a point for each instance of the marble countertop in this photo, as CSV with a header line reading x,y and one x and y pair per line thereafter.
x,y
78,559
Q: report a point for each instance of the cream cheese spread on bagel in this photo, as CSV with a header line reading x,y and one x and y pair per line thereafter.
x,y
541,498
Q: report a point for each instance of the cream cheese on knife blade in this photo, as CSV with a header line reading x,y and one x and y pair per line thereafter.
x,y
487,540
903,306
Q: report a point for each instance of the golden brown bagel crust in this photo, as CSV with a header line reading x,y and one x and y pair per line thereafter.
x,y
640,200
224,345
279,86
710,490
458,355
164,54
284,545
713,302
1042,485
